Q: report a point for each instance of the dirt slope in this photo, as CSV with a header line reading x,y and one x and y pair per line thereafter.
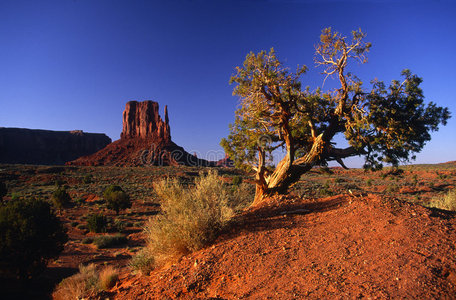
x,y
337,248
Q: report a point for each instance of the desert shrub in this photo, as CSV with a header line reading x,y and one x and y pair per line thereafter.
x,y
116,198
143,261
447,201
86,282
119,225
237,180
108,278
325,189
30,235
339,180
60,198
107,241
3,190
97,223
241,196
191,217
392,188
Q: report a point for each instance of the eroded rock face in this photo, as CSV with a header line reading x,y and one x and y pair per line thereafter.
x,y
145,140
142,120
47,147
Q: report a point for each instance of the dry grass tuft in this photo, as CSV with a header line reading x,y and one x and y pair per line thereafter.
x,y
87,281
447,201
191,217
76,286
108,278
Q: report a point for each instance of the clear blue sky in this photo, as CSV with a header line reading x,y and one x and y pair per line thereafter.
x,y
73,64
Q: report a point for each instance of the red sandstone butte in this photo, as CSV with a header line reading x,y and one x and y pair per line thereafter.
x,y
142,120
145,140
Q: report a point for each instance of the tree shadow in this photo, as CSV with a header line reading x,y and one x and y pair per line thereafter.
x,y
37,288
276,217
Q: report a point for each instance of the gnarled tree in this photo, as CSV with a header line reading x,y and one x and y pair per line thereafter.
x,y
383,124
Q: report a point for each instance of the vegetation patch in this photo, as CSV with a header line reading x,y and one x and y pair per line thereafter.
x,y
446,202
108,241
97,223
30,235
60,198
116,198
88,281
191,217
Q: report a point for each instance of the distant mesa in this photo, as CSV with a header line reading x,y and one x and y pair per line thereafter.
x,y
145,140
47,147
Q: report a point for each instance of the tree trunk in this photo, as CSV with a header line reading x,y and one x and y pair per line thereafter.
x,y
287,172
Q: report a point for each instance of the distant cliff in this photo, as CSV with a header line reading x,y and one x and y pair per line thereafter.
x,y
46,147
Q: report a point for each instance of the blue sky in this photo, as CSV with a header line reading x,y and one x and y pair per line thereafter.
x,y
73,64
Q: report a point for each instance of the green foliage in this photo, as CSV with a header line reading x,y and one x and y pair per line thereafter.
x,y
30,235
383,123
97,223
60,198
116,198
143,262
107,241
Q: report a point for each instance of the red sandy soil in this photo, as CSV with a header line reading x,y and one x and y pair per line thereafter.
x,y
340,247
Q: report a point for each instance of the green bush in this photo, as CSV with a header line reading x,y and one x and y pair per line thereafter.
x,y
107,241
116,198
143,262
60,198
30,235
97,223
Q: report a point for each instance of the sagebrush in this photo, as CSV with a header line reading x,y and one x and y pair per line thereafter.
x,y
191,218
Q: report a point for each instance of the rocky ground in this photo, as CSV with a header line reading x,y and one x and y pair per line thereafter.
x,y
339,247
338,234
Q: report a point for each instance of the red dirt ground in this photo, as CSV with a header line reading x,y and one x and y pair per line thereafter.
x,y
339,247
